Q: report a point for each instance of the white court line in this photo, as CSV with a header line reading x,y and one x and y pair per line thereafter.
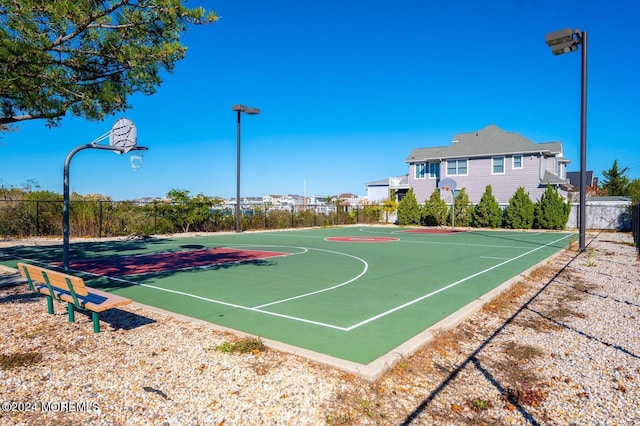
x,y
492,257
364,271
318,323
440,290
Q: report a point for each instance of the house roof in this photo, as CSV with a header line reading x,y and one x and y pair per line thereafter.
x,y
553,179
392,181
491,140
574,178
381,182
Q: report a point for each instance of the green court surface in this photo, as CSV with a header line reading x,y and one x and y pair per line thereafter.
x,y
355,298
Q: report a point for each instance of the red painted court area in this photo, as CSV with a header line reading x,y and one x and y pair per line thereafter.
x,y
432,231
119,266
361,239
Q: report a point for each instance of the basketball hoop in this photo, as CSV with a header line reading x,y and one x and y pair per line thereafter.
x,y
123,135
136,160
449,184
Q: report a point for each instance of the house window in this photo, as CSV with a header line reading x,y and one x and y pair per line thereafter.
x,y
498,165
421,170
517,161
434,170
456,167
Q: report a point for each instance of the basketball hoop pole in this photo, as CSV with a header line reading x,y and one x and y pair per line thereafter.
x,y
65,192
448,184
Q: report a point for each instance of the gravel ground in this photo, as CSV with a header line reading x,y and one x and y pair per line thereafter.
x,y
561,347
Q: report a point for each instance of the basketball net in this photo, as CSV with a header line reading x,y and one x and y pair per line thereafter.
x,y
136,161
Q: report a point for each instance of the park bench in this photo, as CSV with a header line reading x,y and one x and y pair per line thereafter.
x,y
70,289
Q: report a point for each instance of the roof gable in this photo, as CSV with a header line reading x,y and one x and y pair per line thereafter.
x,y
491,140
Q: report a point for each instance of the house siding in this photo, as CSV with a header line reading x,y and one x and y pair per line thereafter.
x,y
422,188
377,194
480,167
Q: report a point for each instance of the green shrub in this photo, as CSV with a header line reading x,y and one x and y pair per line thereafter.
x,y
463,208
551,211
435,210
487,213
409,210
519,214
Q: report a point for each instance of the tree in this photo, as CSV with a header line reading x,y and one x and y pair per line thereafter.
x,y
435,210
86,57
409,210
634,191
186,210
389,206
487,213
519,214
551,211
615,182
463,209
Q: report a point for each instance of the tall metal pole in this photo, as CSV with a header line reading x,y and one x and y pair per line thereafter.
x,y
65,205
583,145
65,193
238,174
65,198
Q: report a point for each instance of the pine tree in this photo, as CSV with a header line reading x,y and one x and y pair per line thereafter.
x,y
487,213
86,58
634,191
435,210
519,214
463,209
615,182
551,210
409,210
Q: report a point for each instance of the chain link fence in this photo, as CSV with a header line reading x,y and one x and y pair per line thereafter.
x,y
100,218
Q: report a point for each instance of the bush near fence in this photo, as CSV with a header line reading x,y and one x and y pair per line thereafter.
x,y
105,218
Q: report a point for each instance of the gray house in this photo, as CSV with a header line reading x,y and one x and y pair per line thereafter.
x,y
490,156
380,190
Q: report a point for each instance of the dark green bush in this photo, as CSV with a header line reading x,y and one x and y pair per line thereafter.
x,y
409,210
487,213
551,211
519,214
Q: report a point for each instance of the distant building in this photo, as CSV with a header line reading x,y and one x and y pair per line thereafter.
x,y
381,190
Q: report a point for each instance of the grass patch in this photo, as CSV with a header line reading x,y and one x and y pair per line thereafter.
x,y
20,359
252,345
479,404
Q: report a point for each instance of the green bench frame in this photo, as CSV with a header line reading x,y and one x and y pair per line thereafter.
x,y
71,289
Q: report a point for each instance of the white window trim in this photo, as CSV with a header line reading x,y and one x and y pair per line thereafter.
x,y
456,160
493,168
513,162
415,172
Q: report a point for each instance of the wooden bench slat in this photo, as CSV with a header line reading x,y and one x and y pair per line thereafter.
x,y
58,288
57,279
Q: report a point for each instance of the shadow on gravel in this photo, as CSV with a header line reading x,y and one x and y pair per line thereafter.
x,y
472,359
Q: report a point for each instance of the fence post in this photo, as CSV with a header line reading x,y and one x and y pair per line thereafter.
x,y
635,225
99,218
37,218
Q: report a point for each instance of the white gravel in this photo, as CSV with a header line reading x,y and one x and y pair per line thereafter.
x,y
564,349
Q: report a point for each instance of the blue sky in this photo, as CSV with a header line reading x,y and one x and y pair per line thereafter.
x,y
347,89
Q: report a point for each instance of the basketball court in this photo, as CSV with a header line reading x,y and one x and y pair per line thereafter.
x,y
357,297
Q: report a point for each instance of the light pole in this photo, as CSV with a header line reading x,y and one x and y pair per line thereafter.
x,y
251,111
560,42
